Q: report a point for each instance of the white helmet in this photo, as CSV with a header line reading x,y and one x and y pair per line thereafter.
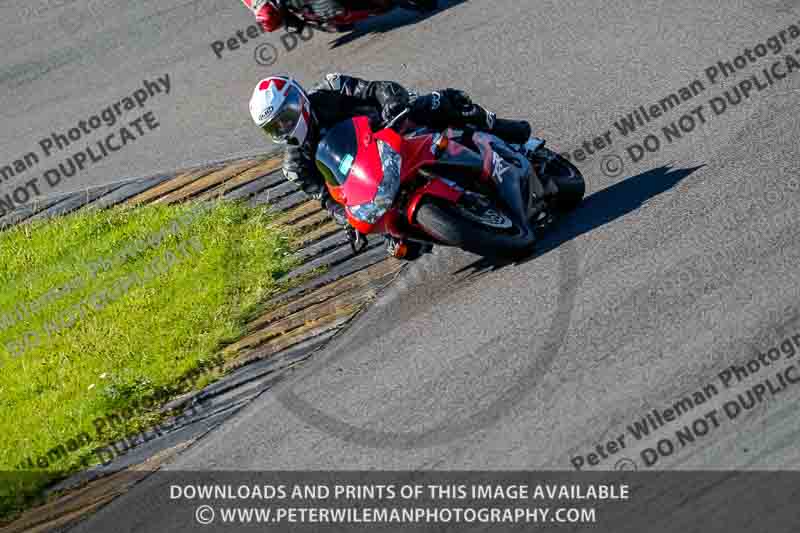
x,y
280,107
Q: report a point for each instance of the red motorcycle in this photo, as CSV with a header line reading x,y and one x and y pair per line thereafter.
x,y
356,11
455,187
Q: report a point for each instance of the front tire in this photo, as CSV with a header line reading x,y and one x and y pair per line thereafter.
x,y
445,223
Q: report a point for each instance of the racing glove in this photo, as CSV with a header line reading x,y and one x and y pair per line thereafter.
x,y
298,167
395,101
299,170
451,107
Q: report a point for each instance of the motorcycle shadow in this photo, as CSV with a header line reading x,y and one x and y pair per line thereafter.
x,y
397,18
596,210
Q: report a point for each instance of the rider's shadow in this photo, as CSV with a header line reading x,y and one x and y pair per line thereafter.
x,y
397,18
595,211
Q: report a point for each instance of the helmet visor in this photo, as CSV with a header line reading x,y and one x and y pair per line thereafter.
x,y
285,120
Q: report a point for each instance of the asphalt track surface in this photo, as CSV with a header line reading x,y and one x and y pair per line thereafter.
x,y
675,268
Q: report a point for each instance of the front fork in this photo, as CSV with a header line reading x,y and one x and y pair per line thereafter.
x,y
358,241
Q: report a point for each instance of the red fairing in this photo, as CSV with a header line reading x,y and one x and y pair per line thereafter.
x,y
268,17
392,138
365,227
362,226
392,223
437,188
337,193
366,172
415,151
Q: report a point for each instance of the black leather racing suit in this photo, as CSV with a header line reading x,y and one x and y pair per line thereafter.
x,y
340,97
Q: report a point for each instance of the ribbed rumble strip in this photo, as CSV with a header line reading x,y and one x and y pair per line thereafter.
x,y
263,169
206,182
379,272
171,185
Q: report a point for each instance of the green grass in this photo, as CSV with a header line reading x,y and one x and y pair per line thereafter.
x,y
130,343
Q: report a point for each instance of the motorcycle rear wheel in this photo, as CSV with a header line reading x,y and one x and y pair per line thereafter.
x,y
421,5
571,184
448,225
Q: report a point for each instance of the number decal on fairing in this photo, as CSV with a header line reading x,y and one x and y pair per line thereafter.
x,y
344,166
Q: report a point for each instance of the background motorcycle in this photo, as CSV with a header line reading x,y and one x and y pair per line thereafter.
x,y
457,187
355,11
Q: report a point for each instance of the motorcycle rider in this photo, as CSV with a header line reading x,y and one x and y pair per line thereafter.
x,y
270,17
290,116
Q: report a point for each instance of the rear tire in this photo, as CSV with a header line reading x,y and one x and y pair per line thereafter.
x,y
425,6
567,177
444,223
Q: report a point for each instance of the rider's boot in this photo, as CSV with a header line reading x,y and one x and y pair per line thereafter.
x,y
511,131
528,149
407,249
327,9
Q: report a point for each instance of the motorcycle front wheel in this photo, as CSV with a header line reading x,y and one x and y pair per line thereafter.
x,y
484,230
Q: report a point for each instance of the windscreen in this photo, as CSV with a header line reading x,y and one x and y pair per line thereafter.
x,y
337,152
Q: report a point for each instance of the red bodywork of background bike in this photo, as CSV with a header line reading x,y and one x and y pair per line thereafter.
x,y
418,151
348,18
345,20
